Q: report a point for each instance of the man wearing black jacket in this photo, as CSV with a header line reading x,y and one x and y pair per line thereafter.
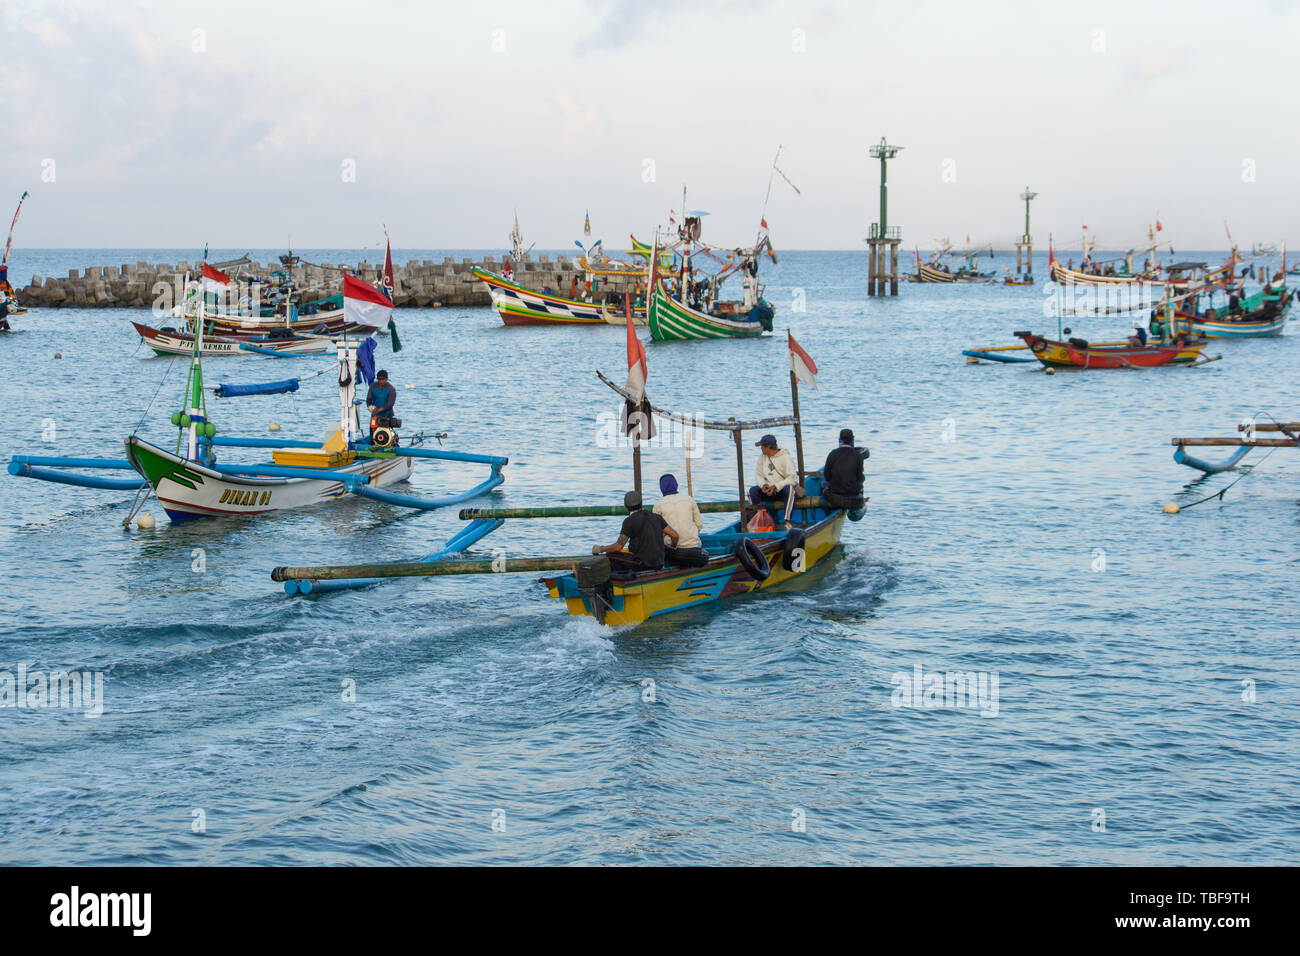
x,y
843,474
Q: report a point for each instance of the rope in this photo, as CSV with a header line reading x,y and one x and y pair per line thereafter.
x,y
142,495
170,363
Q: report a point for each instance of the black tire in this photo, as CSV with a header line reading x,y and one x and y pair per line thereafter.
x,y
794,540
752,559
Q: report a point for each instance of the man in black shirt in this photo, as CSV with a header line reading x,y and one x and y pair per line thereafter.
x,y
843,474
643,532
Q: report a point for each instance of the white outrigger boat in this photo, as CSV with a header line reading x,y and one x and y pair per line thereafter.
x,y
189,482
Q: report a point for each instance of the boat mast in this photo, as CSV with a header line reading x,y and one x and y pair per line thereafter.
x,y
196,382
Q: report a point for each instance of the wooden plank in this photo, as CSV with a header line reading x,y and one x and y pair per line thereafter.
x,y
606,511
408,569
1257,443
1270,427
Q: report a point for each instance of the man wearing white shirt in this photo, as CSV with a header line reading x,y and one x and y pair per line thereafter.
x,y
775,475
680,512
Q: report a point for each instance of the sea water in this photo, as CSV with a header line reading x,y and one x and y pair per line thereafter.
x,y
1015,658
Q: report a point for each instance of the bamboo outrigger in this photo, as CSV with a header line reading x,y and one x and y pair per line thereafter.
x,y
737,561
1243,445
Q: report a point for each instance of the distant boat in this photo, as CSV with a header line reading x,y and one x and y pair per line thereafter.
x,y
167,341
1077,353
520,306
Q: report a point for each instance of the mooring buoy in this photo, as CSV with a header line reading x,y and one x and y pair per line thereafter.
x,y
145,522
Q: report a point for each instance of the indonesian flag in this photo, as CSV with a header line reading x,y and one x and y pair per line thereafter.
x,y
214,281
637,373
1158,226
364,303
801,363
390,286
636,410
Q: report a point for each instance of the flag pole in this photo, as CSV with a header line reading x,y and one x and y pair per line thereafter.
x,y
690,486
740,474
798,428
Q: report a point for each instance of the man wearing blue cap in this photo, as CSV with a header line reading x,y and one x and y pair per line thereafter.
x,y
776,477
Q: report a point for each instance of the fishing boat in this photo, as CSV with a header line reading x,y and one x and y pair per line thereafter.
x,y
277,342
1236,315
731,562
1078,353
1103,272
937,270
706,315
190,483
520,306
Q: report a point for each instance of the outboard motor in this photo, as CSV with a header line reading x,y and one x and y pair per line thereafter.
x,y
594,584
383,431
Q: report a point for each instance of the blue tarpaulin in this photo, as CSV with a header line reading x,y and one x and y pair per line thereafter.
x,y
366,360
270,388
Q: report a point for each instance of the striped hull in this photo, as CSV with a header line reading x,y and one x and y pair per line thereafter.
x,y
519,306
1063,276
926,273
1245,328
188,490
675,589
671,321
182,343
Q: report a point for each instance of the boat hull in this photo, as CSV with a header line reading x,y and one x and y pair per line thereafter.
x,y
675,589
927,273
188,490
670,320
182,343
1063,276
1254,324
519,306
1064,355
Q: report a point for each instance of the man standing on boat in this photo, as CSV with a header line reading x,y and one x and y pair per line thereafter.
x,y
843,473
381,398
643,532
776,477
679,511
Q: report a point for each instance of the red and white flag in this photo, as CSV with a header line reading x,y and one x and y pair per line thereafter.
x,y
637,414
637,373
801,363
364,303
214,281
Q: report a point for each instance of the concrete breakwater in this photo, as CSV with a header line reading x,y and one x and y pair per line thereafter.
x,y
420,284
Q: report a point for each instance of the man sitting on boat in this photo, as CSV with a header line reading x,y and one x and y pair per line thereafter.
x,y
382,397
643,532
776,477
679,511
1139,336
843,474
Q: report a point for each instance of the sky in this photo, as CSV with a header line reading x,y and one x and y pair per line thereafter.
x,y
240,124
